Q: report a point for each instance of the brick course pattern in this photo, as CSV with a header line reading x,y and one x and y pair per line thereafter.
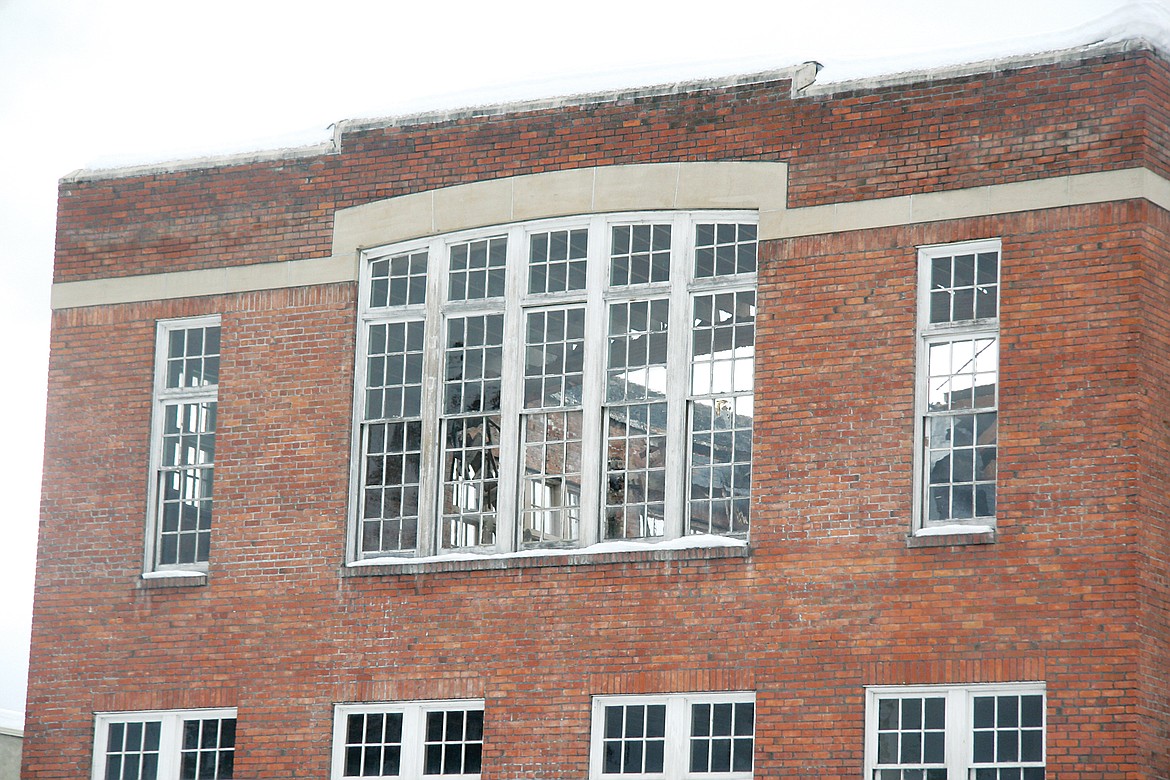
x,y
1075,591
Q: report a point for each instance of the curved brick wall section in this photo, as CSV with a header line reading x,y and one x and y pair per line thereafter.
x,y
971,131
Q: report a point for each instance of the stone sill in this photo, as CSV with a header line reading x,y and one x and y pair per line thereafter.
x,y
550,558
957,538
172,579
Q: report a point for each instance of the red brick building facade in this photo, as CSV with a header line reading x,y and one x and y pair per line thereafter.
x,y
480,510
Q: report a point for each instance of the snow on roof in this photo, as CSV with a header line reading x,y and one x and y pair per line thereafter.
x,y
11,722
1138,24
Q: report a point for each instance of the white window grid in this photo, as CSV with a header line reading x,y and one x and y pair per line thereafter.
x,y
708,735
182,444
985,731
957,389
408,740
165,745
477,503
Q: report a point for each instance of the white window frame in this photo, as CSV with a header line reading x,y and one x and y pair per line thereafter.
x,y
928,334
959,704
681,291
161,397
414,715
676,765
170,741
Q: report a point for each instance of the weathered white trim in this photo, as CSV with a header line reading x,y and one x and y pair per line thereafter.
x,y
207,281
1057,192
759,186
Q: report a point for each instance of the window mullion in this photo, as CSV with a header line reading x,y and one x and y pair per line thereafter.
x,y
678,389
412,743
169,743
958,740
429,510
593,388
677,733
512,393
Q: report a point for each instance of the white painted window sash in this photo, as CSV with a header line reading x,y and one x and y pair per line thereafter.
x,y
959,717
414,714
939,333
596,298
162,398
676,757
170,740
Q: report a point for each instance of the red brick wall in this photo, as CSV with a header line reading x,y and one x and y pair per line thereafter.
x,y
830,598
1154,493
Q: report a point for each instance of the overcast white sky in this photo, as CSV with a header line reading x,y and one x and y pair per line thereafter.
x,y
94,83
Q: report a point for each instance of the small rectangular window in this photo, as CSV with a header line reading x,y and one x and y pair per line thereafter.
x,y
958,385
673,736
165,745
981,732
183,443
408,740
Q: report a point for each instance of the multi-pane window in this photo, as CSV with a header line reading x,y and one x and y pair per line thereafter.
x,y
958,390
165,745
408,740
976,732
673,736
183,446
523,386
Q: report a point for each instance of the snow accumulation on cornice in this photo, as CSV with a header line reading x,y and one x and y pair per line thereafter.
x,y
1138,25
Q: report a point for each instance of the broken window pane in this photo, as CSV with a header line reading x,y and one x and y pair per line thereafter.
x,y
474,358
721,465
723,338
962,374
471,456
961,466
551,477
555,357
637,350
635,471
185,482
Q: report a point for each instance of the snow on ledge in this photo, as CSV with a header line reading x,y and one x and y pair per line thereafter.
x,y
954,529
695,541
172,573
12,723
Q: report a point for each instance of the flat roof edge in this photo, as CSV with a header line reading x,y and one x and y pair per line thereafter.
x,y
992,65
199,163
567,101
801,76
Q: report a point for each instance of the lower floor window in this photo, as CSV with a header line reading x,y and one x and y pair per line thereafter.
x,y
165,745
408,739
673,735
978,732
